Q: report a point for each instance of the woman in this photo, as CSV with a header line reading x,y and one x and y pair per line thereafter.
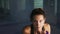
x,y
38,26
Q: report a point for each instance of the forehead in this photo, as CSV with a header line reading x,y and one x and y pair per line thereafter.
x,y
38,17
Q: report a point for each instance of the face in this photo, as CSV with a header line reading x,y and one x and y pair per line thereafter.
x,y
38,21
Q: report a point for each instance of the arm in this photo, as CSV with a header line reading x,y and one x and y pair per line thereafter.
x,y
26,30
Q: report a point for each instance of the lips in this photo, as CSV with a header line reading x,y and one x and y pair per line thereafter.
x,y
37,27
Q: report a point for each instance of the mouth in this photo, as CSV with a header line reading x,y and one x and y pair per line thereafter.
x,y
37,27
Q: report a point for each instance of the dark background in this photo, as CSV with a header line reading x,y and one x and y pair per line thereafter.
x,y
16,16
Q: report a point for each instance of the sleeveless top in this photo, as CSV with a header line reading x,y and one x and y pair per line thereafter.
x,y
32,29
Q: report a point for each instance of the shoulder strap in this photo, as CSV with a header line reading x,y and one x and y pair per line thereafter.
x,y
46,32
32,29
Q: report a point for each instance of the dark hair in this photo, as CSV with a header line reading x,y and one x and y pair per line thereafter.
x,y
37,11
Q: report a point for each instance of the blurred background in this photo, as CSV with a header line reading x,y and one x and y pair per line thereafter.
x,y
14,14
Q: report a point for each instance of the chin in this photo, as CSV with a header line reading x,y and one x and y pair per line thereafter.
x,y
37,27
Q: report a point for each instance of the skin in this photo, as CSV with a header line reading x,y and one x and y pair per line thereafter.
x,y
38,23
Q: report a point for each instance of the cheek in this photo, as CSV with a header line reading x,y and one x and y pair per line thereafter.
x,y
41,24
35,24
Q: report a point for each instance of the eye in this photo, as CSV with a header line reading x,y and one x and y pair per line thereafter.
x,y
40,20
35,21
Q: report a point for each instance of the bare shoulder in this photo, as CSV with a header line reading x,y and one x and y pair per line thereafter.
x,y
26,29
47,27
